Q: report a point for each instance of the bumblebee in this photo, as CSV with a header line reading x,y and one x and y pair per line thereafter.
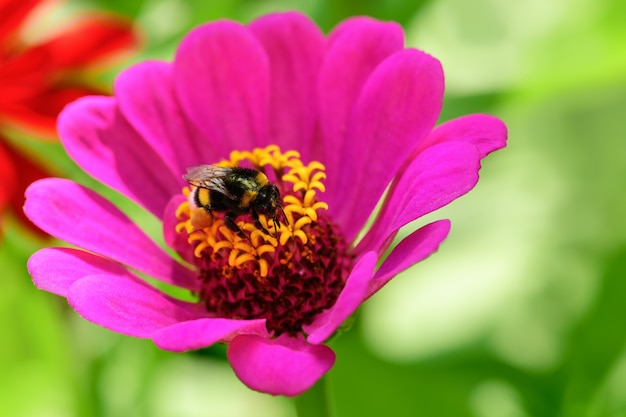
x,y
235,191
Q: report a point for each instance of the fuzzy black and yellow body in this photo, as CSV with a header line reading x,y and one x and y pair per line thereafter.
x,y
235,191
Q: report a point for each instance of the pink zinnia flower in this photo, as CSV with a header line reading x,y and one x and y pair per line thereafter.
x,y
332,121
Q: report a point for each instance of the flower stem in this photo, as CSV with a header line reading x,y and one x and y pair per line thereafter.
x,y
315,402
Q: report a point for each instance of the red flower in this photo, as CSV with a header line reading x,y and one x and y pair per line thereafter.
x,y
38,79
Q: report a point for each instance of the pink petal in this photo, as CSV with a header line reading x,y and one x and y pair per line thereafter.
x,y
412,249
56,269
102,143
487,133
80,216
200,333
436,177
281,366
349,300
295,47
221,76
145,93
397,109
357,46
126,306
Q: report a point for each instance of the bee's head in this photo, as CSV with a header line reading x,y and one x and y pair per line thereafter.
x,y
268,200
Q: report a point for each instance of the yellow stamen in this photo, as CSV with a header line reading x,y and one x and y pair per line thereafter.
x,y
263,267
320,205
180,227
241,259
292,200
232,257
284,238
302,221
317,185
243,246
263,249
196,236
224,244
200,248
300,184
309,198
183,208
301,235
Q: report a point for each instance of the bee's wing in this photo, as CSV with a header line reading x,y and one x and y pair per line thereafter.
x,y
210,177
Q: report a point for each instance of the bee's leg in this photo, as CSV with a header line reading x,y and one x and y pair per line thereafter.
x,y
285,217
258,224
230,223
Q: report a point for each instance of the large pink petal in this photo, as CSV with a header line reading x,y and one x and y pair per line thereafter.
x,y
80,216
128,307
487,133
356,47
397,109
349,300
412,249
437,176
146,97
100,140
221,76
56,269
281,366
200,333
295,47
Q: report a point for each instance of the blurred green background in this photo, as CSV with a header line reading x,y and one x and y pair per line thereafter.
x,y
522,312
